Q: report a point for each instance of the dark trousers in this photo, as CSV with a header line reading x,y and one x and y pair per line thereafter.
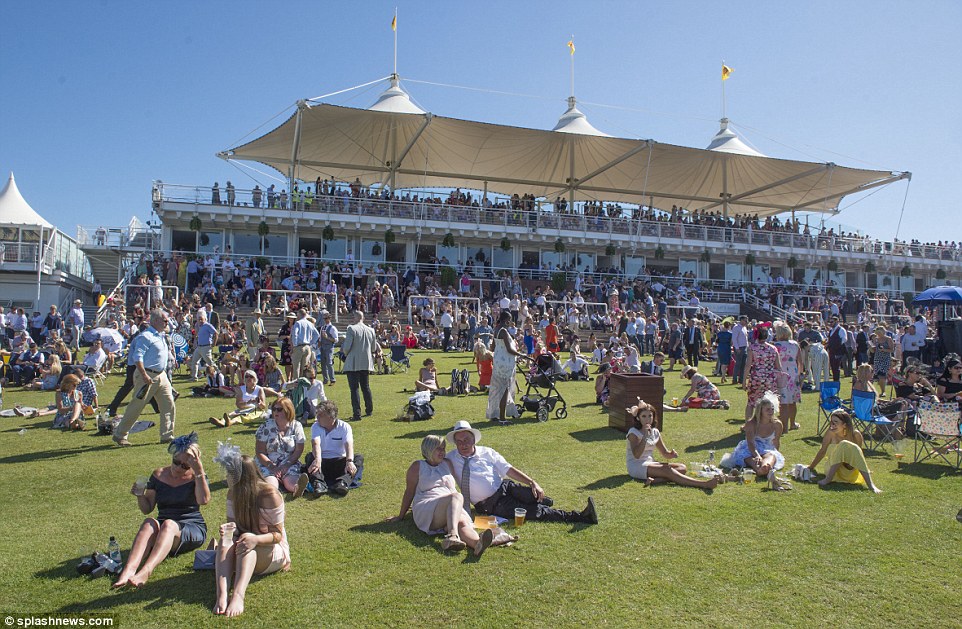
x,y
739,366
446,343
124,391
511,495
332,471
691,353
360,380
835,362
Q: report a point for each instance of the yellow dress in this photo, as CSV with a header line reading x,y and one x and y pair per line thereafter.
x,y
849,453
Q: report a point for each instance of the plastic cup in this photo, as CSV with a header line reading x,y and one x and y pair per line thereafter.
x,y
140,485
229,528
519,515
748,476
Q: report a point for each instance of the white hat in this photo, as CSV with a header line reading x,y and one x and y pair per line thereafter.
x,y
462,425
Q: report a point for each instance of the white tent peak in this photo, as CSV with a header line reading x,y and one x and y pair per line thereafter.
x,y
727,141
573,121
14,209
395,100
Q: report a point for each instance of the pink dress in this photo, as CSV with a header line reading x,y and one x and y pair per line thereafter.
x,y
761,372
788,354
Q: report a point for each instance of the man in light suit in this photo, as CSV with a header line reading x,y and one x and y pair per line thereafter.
x,y
358,348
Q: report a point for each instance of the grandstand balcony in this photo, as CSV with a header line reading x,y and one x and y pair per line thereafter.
x,y
602,241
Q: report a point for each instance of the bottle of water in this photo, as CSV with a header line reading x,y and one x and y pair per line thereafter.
x,y
113,551
711,459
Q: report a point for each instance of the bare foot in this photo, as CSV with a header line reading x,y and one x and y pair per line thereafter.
x,y
823,483
138,580
875,489
221,605
122,581
236,607
711,483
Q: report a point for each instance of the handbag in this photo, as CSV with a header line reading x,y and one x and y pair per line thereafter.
x,y
204,559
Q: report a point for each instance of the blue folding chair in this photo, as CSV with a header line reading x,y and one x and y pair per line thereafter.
x,y
877,429
400,359
829,401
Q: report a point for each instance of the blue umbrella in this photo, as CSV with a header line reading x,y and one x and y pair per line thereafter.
x,y
939,295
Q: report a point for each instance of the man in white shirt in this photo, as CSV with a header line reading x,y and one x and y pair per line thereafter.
x,y
447,322
576,367
332,465
95,357
740,348
75,319
483,474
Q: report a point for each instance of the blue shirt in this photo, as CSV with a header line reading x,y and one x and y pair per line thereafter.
x,y
206,334
150,348
303,333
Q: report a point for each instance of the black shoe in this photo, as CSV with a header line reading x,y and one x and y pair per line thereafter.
x,y
590,514
548,502
368,413
340,488
355,418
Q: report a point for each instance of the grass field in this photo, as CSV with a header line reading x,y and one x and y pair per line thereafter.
x,y
662,556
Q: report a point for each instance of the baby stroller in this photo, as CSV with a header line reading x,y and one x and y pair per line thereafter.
x,y
542,376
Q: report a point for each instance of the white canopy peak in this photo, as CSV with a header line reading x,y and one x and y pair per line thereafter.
x,y
573,121
727,141
395,100
14,209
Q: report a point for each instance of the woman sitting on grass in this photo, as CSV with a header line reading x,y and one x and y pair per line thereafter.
x,y
759,449
427,379
843,445
436,503
702,393
69,405
254,540
249,399
49,376
177,491
642,440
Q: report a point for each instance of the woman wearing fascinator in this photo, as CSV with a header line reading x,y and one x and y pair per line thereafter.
x,y
177,491
253,541
763,432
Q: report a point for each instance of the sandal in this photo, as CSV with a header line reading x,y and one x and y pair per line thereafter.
x,y
777,484
487,537
452,542
217,422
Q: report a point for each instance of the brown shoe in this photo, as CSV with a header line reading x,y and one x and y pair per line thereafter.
x,y
217,422
123,443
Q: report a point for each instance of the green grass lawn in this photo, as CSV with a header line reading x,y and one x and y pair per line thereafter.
x,y
662,556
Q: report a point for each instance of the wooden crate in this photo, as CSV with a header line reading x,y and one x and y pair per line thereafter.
x,y
624,389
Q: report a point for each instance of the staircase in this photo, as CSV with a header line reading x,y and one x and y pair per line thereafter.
x,y
106,264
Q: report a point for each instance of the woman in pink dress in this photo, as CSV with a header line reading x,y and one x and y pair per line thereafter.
x,y
762,365
790,394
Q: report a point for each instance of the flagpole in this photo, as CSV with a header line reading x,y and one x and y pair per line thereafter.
x,y
395,41
572,55
723,92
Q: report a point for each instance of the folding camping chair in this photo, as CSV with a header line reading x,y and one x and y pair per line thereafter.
x,y
400,359
828,402
937,432
875,427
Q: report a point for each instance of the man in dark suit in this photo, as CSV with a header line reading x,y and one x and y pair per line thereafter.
x,y
837,337
654,367
861,345
693,340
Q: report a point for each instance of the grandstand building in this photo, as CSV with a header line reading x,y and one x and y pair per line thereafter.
x,y
393,184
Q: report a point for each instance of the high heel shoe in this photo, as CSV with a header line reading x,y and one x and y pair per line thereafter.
x,y
777,484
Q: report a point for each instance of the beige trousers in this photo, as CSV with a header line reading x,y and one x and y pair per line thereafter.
x,y
161,390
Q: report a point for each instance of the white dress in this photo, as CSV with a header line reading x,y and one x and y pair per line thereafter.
x,y
638,467
502,379
434,483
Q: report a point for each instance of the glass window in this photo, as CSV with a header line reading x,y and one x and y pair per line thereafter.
x,y
275,245
181,240
552,259
502,259
634,265
246,243
335,249
689,266
210,239
453,254
372,250
734,272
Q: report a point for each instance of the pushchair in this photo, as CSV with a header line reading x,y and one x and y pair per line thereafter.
x,y
542,376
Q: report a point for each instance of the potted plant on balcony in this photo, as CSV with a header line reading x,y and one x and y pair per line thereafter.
x,y
832,266
448,240
610,250
505,244
559,282
750,259
559,246
792,262
389,237
659,253
195,224
906,271
940,274
328,233
263,229
705,256
870,267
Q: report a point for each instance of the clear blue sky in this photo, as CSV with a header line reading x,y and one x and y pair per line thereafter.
x,y
100,98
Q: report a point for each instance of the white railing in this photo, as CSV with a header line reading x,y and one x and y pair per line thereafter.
x,y
437,303
149,290
316,300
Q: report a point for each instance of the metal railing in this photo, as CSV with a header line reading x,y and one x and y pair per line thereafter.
x,y
593,225
18,252
316,300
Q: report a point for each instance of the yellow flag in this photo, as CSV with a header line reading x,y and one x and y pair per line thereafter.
x,y
571,46
726,72
394,24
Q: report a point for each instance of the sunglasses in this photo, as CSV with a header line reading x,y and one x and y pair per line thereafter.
x,y
181,464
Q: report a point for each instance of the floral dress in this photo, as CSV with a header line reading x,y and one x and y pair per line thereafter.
x,y
704,388
788,352
762,373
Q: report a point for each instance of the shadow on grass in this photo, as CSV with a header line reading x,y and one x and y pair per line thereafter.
x,y
584,405
603,433
609,483
725,442
405,529
931,471
50,455
192,588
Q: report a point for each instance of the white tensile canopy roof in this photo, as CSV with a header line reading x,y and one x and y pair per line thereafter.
x,y
727,141
421,150
573,121
15,211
